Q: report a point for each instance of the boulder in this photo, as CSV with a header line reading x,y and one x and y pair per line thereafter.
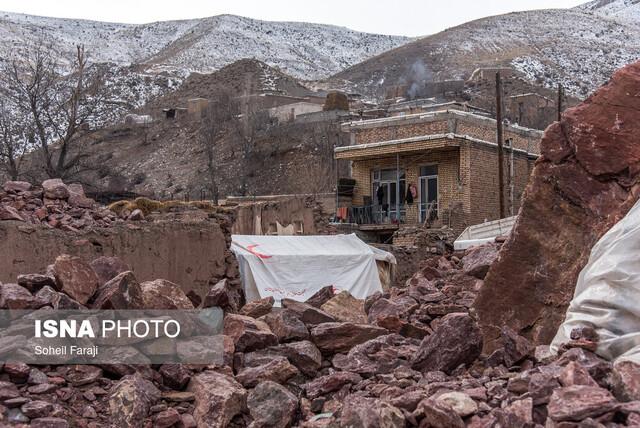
x,y
163,294
271,405
345,308
304,355
55,189
222,295
121,292
175,376
286,325
626,380
377,356
578,402
460,402
34,281
438,414
307,313
166,418
14,296
258,308
335,337
477,260
218,399
9,213
383,308
131,400
107,268
329,383
16,186
583,183
321,296
248,333
456,340
75,278
362,412
37,409
516,347
277,370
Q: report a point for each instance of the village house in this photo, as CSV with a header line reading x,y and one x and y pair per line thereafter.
x,y
437,168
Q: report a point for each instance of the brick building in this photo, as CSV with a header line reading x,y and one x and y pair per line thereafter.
x,y
439,168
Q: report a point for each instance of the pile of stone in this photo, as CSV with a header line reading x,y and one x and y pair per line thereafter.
x,y
410,356
54,204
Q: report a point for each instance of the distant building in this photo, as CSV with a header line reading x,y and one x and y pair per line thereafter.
x,y
438,168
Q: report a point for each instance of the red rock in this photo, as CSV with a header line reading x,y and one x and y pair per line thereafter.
x,y
335,337
107,268
329,383
121,292
75,278
55,189
34,282
49,423
9,213
166,418
277,370
377,356
304,355
286,325
13,296
580,187
248,333
345,308
385,308
368,412
626,380
455,341
163,294
575,374
477,260
175,376
258,308
438,415
223,295
37,409
219,398
307,313
321,296
272,405
131,400
578,402
516,347
16,186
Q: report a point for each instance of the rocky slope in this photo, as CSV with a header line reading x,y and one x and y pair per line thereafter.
x,y
622,10
576,47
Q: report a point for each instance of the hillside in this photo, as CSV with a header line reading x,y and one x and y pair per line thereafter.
x,y
203,45
623,10
578,48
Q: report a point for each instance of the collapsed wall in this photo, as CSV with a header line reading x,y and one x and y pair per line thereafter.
x,y
188,254
584,182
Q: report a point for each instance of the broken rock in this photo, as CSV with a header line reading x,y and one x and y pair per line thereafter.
x,y
578,402
163,294
332,337
121,292
271,405
75,278
248,334
131,400
107,268
346,308
219,398
258,308
369,412
455,341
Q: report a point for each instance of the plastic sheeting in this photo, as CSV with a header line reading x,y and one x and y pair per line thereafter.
x,y
296,267
607,295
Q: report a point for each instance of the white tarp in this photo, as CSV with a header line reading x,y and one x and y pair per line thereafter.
x,y
296,267
607,295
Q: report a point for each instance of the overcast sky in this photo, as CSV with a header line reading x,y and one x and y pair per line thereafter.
x,y
400,17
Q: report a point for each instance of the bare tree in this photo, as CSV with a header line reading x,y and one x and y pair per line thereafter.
x,y
13,141
215,125
58,106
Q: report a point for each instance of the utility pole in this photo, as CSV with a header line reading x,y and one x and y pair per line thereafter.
x,y
560,91
500,143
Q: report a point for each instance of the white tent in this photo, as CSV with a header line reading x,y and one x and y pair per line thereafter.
x,y
296,267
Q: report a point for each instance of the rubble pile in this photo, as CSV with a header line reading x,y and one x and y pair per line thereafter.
x,y
55,205
410,356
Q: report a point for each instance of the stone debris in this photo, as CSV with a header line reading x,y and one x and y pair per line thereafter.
x,y
55,205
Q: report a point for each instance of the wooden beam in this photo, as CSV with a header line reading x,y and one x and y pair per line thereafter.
x,y
500,138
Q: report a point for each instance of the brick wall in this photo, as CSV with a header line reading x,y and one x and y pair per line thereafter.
x,y
448,173
388,133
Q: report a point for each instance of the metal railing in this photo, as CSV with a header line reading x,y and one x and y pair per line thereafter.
x,y
372,214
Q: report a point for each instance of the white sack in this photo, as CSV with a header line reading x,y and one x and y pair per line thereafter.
x,y
296,267
607,295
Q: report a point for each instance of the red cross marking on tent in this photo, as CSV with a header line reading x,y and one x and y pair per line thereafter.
x,y
250,248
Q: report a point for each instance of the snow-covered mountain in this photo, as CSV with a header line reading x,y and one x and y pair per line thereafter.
x,y
579,48
309,51
623,10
